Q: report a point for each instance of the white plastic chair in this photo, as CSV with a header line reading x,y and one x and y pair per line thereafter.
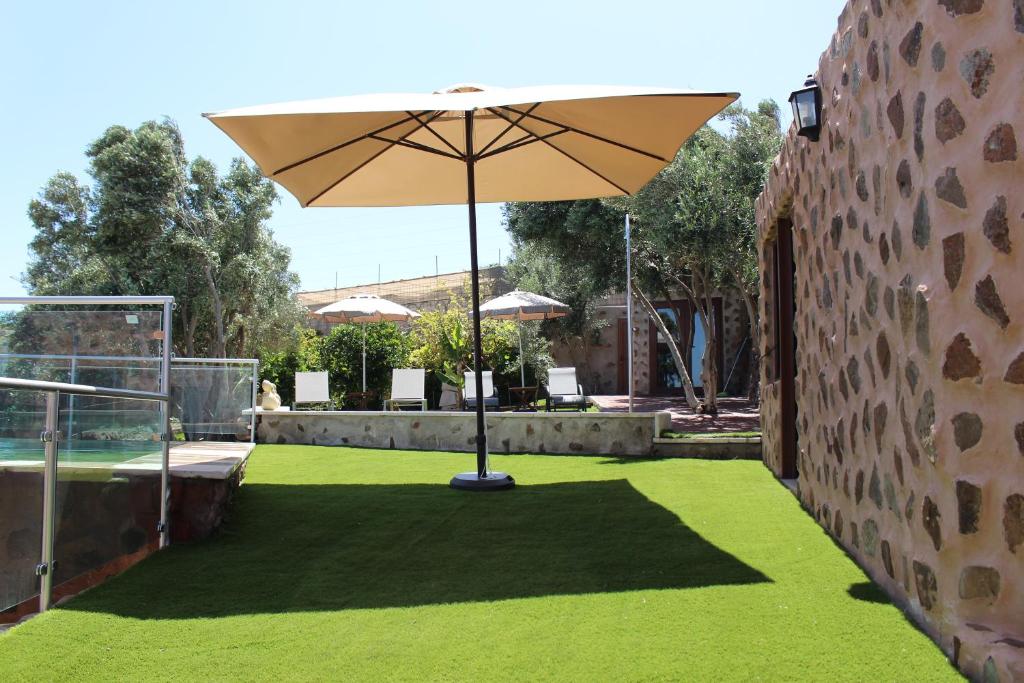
x,y
564,391
408,388
469,393
311,387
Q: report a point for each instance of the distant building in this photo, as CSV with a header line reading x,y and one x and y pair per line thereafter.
x,y
428,293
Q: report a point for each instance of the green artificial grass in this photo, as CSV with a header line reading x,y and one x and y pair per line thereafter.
x,y
669,434
344,564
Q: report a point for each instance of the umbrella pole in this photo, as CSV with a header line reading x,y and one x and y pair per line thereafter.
x,y
481,479
522,365
629,316
481,428
364,357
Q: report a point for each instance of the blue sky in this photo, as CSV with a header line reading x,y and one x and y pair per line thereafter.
x,y
72,69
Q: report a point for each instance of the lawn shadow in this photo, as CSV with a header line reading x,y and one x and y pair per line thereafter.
x,y
868,591
334,547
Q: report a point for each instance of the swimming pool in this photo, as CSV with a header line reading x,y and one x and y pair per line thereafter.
x,y
79,451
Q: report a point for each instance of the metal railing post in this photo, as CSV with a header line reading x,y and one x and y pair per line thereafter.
x,y
49,437
255,384
165,418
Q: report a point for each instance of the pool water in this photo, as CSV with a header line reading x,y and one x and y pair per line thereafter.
x,y
78,450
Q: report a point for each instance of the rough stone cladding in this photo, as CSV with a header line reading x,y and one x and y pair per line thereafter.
x,y
908,233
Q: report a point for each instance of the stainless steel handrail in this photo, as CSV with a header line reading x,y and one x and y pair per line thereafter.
x,y
103,300
80,389
217,361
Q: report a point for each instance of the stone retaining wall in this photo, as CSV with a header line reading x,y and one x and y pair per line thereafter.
x,y
594,433
709,449
908,239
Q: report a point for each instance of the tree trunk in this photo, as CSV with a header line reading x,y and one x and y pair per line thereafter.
x,y
699,300
220,348
188,325
709,364
754,370
677,357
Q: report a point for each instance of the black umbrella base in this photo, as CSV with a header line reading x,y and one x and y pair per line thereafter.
x,y
471,481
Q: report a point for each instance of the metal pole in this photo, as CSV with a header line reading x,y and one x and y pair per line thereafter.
x,y
364,356
49,438
165,418
481,426
255,384
629,315
74,380
522,366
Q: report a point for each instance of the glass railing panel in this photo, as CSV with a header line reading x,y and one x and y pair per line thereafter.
x,y
108,488
211,401
22,418
82,345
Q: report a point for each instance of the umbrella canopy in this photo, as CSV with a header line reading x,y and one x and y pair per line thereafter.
x,y
519,305
470,143
366,308
530,144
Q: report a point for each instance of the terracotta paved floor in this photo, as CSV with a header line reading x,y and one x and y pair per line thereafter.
x,y
734,414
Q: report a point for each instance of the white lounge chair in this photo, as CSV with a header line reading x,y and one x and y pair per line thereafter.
x,y
408,388
564,391
469,393
311,387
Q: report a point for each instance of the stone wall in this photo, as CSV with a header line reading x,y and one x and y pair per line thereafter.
x,y
908,234
618,434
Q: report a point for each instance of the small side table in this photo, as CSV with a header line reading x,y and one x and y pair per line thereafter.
x,y
524,399
361,399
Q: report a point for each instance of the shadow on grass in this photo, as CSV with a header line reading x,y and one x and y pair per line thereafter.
x,y
868,592
333,547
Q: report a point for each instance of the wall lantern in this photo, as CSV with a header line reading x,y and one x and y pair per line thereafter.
x,y
806,104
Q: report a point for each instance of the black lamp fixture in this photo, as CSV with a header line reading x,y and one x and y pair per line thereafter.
x,y
806,104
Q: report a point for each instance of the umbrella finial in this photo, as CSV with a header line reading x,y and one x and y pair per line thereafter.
x,y
461,87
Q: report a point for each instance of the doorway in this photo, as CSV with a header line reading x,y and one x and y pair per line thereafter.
x,y
684,325
782,362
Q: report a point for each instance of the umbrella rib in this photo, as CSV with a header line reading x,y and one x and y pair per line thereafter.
x,y
439,136
510,126
343,145
522,142
567,155
417,146
369,160
600,138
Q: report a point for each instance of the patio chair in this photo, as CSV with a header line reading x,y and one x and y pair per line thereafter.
x,y
408,388
564,391
469,393
311,387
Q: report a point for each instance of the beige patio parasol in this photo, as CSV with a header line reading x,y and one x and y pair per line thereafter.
x,y
471,143
519,306
366,308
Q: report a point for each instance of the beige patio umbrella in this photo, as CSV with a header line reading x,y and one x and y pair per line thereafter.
x,y
471,143
519,306
366,308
